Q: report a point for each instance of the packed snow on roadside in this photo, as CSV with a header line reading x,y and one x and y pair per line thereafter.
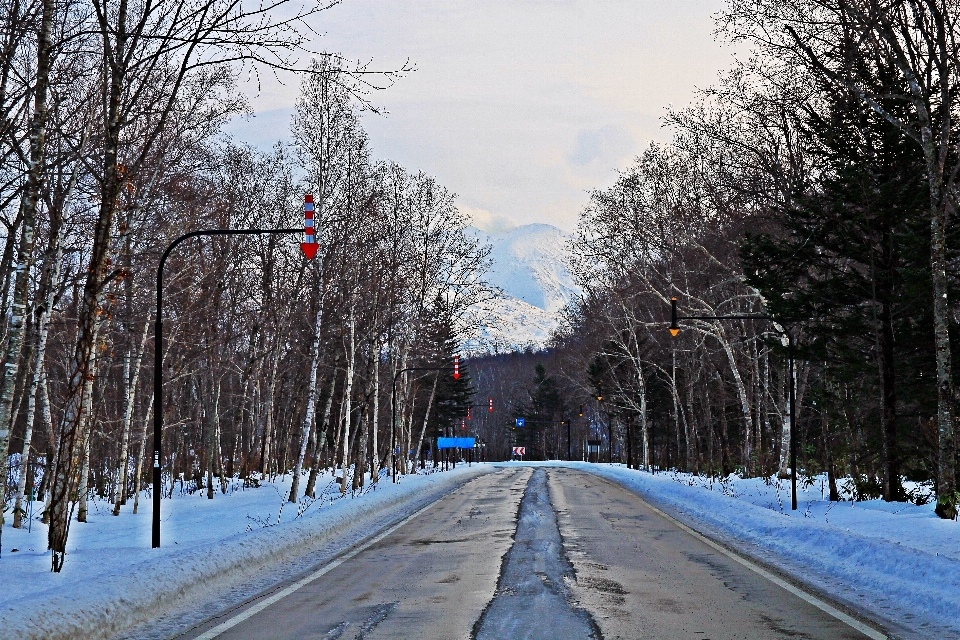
x,y
110,569
897,559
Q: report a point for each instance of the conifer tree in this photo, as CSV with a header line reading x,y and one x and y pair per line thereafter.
x,y
453,395
849,259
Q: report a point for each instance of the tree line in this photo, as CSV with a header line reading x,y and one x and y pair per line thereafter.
x,y
814,183
112,114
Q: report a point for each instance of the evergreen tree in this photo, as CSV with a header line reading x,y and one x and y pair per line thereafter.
x,y
454,395
542,409
849,259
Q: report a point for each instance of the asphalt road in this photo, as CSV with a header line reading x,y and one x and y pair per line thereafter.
x,y
537,553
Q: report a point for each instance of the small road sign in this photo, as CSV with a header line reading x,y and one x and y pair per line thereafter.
x,y
519,422
519,451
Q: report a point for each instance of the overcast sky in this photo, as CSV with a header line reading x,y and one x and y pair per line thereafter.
x,y
518,106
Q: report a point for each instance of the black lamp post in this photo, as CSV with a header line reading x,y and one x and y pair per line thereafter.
x,y
568,430
609,426
158,357
675,330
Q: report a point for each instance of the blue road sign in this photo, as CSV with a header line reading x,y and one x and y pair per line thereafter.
x,y
455,443
519,422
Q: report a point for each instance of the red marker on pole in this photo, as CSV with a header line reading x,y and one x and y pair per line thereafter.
x,y
309,245
491,405
468,413
456,367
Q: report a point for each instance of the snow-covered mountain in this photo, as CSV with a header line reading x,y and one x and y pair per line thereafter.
x,y
529,265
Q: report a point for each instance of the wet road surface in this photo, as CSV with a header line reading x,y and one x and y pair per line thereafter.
x,y
536,553
534,579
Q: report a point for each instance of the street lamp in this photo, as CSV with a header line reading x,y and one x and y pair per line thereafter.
x,y
609,425
791,345
309,248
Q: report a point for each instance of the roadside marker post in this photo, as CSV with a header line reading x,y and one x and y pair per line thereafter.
x,y
309,245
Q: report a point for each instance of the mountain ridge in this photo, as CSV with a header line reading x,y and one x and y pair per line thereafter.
x,y
529,266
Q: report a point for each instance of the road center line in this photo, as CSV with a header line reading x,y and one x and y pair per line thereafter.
x,y
850,621
266,602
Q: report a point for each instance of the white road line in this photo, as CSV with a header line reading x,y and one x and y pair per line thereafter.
x,y
266,602
870,632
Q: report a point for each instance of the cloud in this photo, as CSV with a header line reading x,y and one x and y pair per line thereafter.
x,y
519,106
609,142
489,222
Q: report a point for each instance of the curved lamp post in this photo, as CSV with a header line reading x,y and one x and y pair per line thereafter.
x,y
309,249
791,344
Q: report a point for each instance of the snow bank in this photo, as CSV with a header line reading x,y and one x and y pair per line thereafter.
x,y
113,580
897,560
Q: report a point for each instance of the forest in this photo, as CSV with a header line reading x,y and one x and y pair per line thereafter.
x,y
810,192
113,148
806,200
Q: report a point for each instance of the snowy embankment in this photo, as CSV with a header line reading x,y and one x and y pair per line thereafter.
x,y
112,579
897,560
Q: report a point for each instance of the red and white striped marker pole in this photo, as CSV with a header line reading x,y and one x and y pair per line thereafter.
x,y
309,245
456,367
491,406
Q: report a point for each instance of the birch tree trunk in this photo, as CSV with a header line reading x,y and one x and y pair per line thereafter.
x,y
741,392
215,449
361,460
71,449
375,459
308,418
322,434
347,396
143,443
29,205
132,378
38,372
787,428
426,419
644,423
83,489
265,465
54,447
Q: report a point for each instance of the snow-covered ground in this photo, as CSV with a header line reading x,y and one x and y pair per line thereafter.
x,y
897,560
112,579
